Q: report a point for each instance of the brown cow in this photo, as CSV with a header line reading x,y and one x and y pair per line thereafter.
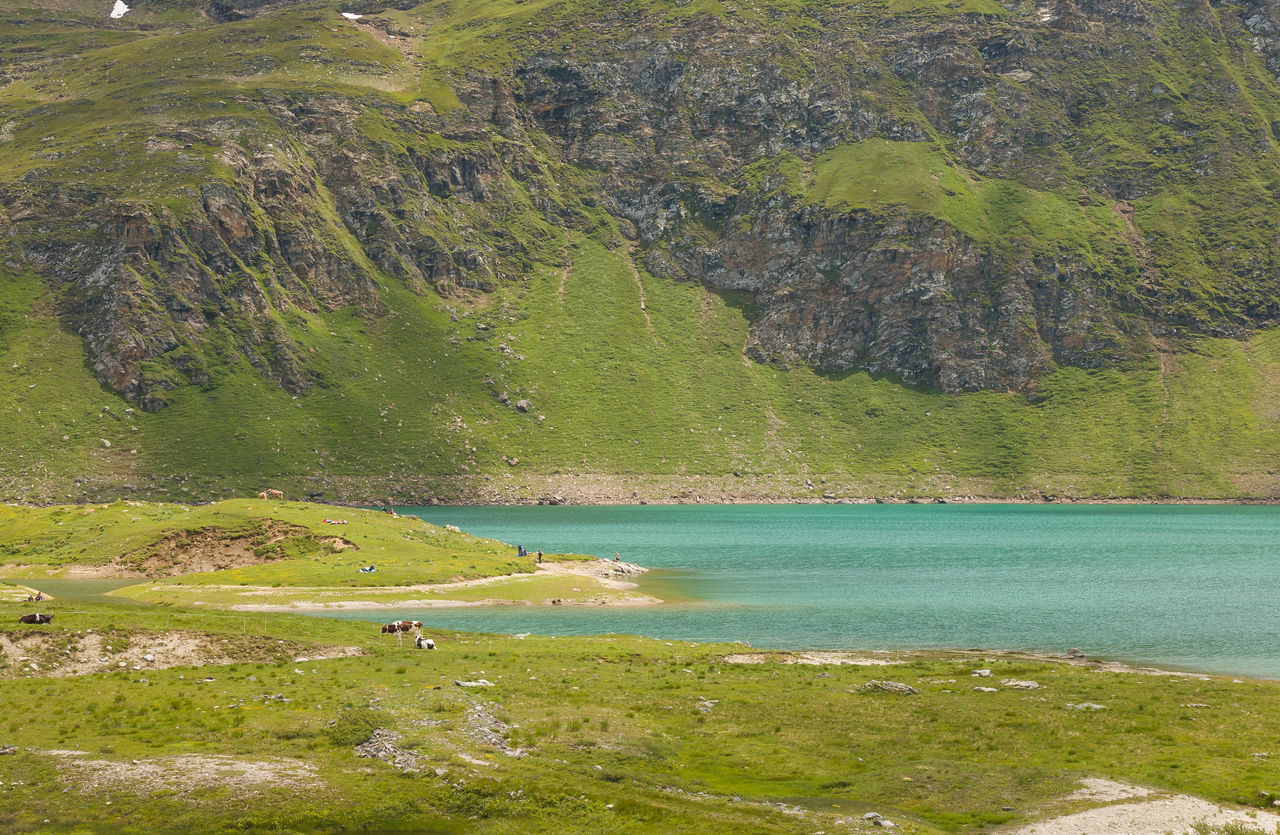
x,y
275,494
400,627
39,617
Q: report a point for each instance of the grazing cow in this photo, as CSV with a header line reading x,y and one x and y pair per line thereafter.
x,y
40,617
424,643
262,495
400,627
275,494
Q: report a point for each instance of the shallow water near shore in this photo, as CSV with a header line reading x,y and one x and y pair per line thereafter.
x,y
1182,587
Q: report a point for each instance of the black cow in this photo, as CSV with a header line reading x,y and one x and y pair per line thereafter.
x,y
40,617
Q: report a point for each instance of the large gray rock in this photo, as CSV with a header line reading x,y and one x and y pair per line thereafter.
x,y
888,687
1015,684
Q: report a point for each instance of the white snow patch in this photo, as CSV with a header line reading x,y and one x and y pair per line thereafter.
x,y
120,9
352,15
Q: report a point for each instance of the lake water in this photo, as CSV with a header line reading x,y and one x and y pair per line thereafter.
x,y
1191,587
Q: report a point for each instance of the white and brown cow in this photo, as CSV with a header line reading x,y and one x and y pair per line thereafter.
x,y
400,627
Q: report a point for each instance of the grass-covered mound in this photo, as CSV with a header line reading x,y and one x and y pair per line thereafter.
x,y
588,734
259,553
294,543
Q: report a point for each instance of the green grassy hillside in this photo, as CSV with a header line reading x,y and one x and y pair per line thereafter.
x,y
323,248
659,402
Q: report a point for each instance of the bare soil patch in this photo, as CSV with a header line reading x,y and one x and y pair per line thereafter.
x,y
186,774
205,549
59,654
1141,811
1100,790
608,573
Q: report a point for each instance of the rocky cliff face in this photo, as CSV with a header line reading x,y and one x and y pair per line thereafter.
x,y
1103,172
300,213
1023,98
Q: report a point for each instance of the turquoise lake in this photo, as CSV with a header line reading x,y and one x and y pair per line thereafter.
x,y
1186,587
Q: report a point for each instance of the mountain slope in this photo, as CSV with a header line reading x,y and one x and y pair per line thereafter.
x,y
888,248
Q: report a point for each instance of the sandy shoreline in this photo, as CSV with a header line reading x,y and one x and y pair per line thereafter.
x,y
608,500
893,657
606,573
536,488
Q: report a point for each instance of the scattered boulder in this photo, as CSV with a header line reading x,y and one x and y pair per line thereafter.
x,y
1086,706
524,405
1014,684
504,398
1075,653
987,689
887,687
982,673
477,683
